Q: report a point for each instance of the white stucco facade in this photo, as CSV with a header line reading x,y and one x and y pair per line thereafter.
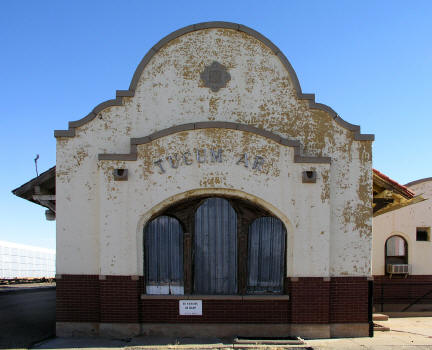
x,y
100,221
404,222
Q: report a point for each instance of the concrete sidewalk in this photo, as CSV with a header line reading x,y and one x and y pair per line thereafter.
x,y
406,333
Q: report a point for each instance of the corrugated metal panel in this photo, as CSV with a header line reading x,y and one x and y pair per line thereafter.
x,y
266,255
215,248
164,252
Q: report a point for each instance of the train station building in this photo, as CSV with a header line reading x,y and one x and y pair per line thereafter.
x,y
213,197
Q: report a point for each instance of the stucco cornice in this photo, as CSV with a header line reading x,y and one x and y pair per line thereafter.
x,y
132,155
120,94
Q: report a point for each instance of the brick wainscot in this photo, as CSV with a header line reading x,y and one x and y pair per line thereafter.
x,y
310,307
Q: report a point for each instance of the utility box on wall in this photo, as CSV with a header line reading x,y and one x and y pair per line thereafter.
x,y
213,179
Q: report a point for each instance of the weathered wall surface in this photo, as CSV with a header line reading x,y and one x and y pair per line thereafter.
x,y
403,222
277,183
100,221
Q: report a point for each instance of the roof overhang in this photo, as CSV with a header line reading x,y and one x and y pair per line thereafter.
x,y
389,195
40,190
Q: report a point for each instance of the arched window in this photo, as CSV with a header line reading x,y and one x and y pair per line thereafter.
x,y
163,241
266,255
215,244
396,249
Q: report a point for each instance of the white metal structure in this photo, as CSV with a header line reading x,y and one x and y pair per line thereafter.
x,y
23,261
398,269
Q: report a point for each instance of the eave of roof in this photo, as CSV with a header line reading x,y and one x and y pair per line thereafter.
x,y
389,195
27,190
401,189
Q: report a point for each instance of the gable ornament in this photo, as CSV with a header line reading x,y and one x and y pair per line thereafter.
x,y
215,76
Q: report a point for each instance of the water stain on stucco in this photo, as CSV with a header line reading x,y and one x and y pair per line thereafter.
x,y
213,180
80,155
260,93
325,190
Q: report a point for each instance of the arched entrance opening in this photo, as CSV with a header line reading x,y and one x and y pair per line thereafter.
x,y
229,246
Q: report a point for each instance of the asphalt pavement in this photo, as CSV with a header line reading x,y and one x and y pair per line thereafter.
x,y
26,317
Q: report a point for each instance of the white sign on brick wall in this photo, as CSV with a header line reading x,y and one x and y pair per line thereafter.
x,y
190,307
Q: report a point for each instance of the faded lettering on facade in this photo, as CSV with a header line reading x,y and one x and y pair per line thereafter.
x,y
206,156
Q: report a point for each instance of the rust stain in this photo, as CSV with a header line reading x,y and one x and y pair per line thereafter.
x,y
213,107
325,191
213,180
80,155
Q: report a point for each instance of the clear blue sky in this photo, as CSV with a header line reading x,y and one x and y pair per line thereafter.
x,y
371,61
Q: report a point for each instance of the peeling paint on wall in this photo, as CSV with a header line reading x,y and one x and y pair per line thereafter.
x,y
330,218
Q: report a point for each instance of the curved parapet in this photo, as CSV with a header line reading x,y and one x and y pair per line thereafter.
x,y
121,94
416,182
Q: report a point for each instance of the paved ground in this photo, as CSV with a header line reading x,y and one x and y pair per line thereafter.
x,y
414,333
153,343
26,317
406,334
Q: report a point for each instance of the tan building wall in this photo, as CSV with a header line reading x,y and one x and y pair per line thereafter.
x,y
100,222
404,222
186,129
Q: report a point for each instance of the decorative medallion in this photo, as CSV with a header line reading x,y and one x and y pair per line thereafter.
x,y
215,76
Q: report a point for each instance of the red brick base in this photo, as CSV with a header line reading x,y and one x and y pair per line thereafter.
x,y
116,299
403,290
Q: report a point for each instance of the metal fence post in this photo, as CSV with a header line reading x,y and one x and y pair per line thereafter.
x,y
370,308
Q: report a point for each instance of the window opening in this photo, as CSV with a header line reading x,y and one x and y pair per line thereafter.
x,y
215,248
423,233
164,256
396,252
266,256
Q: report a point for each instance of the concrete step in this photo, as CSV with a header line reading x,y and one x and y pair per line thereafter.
x,y
380,328
380,317
269,341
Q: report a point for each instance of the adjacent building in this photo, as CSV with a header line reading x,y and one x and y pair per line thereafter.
x,y
402,253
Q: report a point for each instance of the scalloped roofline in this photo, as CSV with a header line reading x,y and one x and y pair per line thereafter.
x,y
416,182
120,94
